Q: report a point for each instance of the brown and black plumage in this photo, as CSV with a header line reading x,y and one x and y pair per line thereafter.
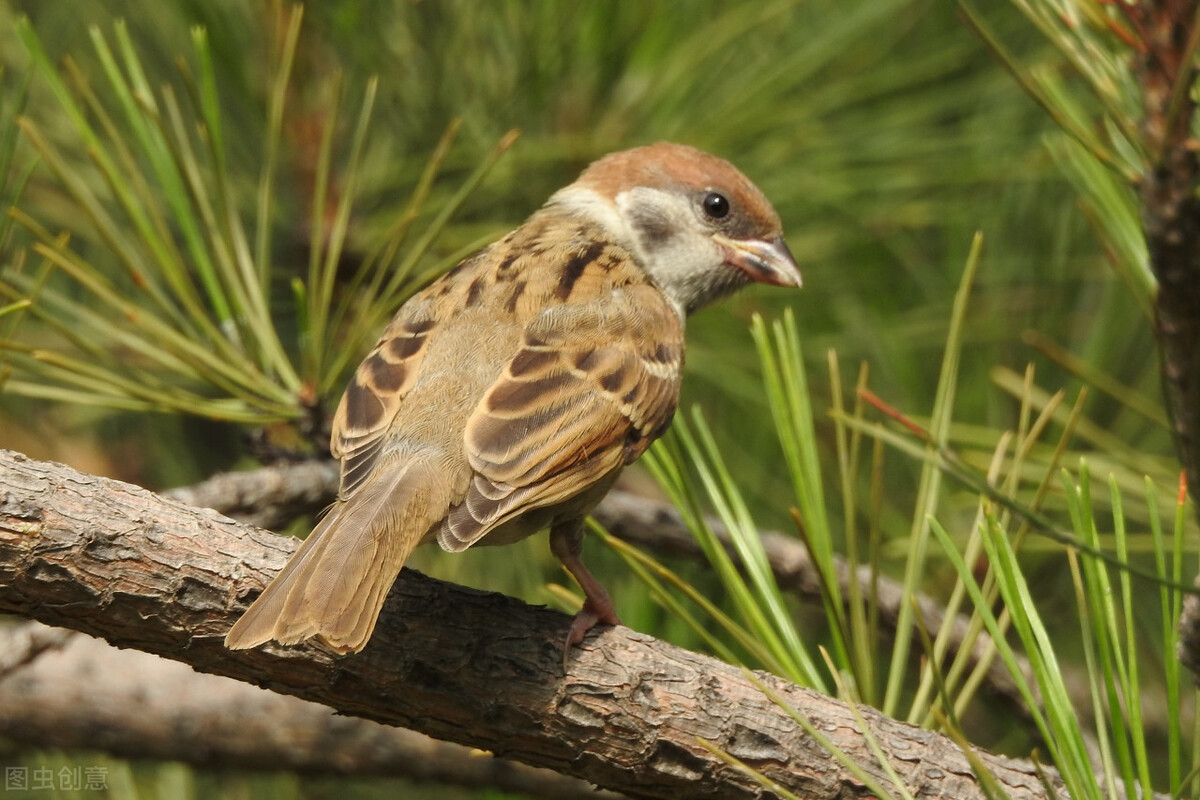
x,y
507,396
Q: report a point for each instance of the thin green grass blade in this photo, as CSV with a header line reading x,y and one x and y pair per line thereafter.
x,y
314,314
791,411
852,702
988,784
1060,726
208,97
765,616
984,610
202,358
944,718
978,675
849,443
380,264
1101,380
253,323
277,99
138,201
1131,686
926,700
323,287
1087,622
417,252
1170,607
928,490
12,186
43,390
650,571
1105,630
245,288
112,234
744,768
397,233
853,767
763,591
1027,434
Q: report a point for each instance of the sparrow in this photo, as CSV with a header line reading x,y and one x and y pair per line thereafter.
x,y
507,396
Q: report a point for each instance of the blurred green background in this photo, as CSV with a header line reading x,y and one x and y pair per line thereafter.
x,y
884,132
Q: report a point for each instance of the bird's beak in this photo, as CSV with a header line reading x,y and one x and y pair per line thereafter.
x,y
764,262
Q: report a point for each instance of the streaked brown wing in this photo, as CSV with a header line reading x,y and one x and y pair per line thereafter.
x,y
590,387
373,398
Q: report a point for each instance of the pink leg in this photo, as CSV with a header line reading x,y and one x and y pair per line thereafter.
x,y
566,542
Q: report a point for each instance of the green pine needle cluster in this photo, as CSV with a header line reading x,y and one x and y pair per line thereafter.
x,y
183,316
213,208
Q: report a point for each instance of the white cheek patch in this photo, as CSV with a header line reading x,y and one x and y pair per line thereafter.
x,y
663,232
675,247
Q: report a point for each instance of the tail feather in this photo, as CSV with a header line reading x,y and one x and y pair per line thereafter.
x,y
335,584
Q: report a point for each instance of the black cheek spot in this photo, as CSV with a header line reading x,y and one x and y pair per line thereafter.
x,y
653,231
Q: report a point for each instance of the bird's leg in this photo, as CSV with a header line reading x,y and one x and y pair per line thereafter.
x,y
566,542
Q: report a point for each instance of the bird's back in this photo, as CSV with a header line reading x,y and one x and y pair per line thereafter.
x,y
410,473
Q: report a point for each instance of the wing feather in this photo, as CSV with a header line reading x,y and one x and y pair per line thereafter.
x,y
373,399
586,393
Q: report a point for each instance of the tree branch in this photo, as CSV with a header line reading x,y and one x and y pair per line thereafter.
x,y
268,497
75,692
633,714
273,496
1166,69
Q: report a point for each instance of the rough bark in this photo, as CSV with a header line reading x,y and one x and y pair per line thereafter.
x,y
632,714
275,495
66,690
269,497
1166,70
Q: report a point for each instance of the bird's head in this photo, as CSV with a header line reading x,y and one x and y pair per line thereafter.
x,y
696,224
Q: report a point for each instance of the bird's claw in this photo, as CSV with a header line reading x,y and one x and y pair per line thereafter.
x,y
596,610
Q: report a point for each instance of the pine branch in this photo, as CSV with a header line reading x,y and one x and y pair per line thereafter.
x,y
633,714
273,496
75,692
1166,70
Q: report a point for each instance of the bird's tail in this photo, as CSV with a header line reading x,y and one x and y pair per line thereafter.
x,y
334,585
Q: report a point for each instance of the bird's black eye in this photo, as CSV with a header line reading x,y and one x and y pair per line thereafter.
x,y
715,205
